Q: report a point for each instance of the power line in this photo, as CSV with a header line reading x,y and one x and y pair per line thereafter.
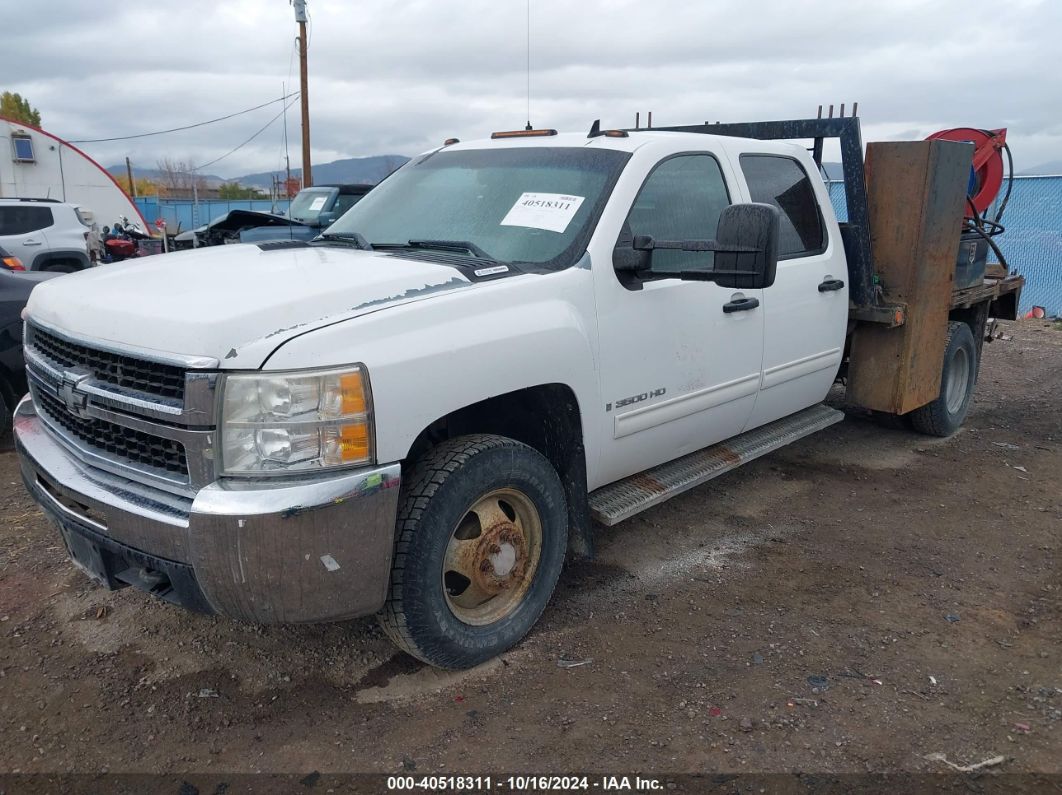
x,y
186,127
260,131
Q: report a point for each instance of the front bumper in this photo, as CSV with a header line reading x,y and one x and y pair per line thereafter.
x,y
265,551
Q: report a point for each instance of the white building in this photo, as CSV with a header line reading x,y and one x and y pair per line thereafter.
x,y
38,165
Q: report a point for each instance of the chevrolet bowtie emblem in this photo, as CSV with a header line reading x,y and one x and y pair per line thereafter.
x,y
76,402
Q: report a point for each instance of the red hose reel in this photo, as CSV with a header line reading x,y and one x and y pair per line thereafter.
x,y
986,173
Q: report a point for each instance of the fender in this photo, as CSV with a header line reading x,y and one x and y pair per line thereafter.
x,y
60,255
430,358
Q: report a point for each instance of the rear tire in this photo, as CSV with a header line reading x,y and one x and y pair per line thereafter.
x,y
480,543
60,267
945,415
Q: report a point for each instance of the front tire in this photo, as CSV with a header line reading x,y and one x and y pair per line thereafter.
x,y
480,543
945,415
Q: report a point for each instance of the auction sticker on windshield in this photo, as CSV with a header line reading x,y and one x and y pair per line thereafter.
x,y
552,211
318,203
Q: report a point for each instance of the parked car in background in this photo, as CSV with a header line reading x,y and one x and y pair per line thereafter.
x,y
15,288
45,234
311,212
9,262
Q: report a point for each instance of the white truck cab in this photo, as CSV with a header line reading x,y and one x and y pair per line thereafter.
x,y
417,414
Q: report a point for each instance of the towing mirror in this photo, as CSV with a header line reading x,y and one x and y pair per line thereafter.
x,y
745,246
747,236
628,260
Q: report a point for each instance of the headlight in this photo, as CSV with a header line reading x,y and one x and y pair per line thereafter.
x,y
296,421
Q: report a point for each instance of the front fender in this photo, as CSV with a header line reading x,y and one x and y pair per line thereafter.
x,y
430,358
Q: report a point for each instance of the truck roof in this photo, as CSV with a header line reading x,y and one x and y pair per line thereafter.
x,y
634,140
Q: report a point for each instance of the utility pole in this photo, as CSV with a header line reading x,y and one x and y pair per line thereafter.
x,y
287,159
300,17
129,173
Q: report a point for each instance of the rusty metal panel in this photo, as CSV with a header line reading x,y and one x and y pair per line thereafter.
x,y
916,196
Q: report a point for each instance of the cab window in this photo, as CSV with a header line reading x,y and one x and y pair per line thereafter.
x,y
782,181
681,200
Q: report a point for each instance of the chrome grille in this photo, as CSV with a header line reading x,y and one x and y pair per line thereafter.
x,y
128,372
122,444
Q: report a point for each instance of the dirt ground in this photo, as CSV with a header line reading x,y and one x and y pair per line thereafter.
x,y
855,602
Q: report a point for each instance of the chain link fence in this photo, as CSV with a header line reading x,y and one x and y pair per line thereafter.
x,y
1032,242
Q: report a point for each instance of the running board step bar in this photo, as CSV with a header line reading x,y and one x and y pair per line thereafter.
x,y
621,500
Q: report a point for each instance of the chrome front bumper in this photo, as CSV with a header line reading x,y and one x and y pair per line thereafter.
x,y
265,551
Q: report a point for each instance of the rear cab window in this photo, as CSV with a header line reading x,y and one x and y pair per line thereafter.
x,y
782,181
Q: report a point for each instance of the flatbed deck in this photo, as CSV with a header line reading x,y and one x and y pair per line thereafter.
x,y
989,290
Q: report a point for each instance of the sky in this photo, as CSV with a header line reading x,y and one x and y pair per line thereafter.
x,y
400,76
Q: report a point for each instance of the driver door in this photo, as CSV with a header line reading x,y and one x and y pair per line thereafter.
x,y
680,368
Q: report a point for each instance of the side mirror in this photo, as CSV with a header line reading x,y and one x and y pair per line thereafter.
x,y
747,240
629,261
326,219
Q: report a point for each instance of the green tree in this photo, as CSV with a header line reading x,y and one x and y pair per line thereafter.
x,y
234,190
14,107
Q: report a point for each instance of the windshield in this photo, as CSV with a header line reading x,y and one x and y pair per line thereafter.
x,y
308,204
532,205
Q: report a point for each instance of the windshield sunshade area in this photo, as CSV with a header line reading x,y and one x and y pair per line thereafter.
x,y
528,205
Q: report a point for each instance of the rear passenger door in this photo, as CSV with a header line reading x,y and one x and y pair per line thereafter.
x,y
806,309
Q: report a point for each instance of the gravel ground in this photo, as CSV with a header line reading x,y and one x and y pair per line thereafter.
x,y
855,602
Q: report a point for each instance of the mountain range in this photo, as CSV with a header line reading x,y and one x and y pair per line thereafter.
x,y
364,170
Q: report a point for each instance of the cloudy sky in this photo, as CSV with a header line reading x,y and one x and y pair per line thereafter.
x,y
399,76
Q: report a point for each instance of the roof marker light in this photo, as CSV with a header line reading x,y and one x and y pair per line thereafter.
x,y
522,133
596,131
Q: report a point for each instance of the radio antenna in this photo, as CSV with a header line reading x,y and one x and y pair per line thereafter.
x,y
528,127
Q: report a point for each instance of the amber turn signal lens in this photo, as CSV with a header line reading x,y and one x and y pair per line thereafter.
x,y
352,393
354,442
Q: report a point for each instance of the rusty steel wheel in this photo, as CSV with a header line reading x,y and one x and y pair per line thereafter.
x,y
492,557
480,543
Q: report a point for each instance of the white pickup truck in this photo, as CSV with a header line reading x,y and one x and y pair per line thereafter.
x,y
420,413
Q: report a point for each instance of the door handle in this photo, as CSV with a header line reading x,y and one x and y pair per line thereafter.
x,y
31,242
829,285
741,305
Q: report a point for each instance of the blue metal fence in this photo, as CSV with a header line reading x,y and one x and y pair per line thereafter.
x,y
183,214
1032,242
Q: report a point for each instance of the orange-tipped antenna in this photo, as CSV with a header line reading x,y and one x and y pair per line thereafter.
x,y
451,141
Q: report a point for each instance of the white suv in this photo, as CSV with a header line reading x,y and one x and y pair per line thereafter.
x,y
46,235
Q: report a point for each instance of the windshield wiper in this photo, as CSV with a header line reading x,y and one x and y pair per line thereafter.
x,y
355,239
452,245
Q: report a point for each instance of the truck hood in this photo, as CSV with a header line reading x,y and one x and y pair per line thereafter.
x,y
236,303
